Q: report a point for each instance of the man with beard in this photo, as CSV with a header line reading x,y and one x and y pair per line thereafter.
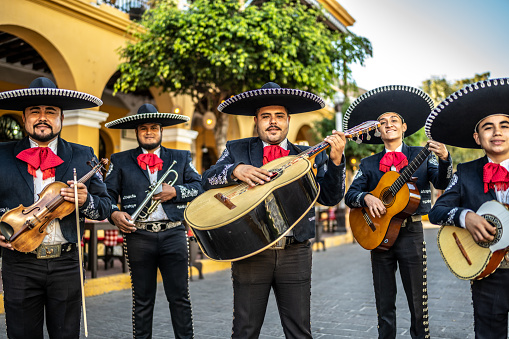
x,y
286,266
38,283
159,240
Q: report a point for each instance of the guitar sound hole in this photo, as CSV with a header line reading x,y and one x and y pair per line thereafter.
x,y
387,197
495,222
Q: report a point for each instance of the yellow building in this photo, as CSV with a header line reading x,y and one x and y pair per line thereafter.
x,y
75,43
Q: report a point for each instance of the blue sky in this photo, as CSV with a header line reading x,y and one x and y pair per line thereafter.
x,y
415,40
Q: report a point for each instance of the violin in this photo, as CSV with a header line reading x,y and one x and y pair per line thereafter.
x,y
25,227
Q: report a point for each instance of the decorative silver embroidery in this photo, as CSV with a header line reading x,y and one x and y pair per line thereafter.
x,y
180,207
357,202
425,191
224,155
358,174
426,201
186,193
192,167
90,211
450,219
125,197
221,178
432,159
4,209
449,171
453,182
110,169
130,206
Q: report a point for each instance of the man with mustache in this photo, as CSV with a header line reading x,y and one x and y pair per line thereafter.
x,y
285,268
401,110
47,280
158,241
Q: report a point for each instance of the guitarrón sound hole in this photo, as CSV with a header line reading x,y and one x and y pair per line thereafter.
x,y
387,197
495,222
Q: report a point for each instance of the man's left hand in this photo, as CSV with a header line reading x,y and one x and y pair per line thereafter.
x,y
337,142
68,193
168,193
439,149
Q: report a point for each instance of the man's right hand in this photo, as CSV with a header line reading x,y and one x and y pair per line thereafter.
x,y
375,206
251,175
479,228
4,243
123,221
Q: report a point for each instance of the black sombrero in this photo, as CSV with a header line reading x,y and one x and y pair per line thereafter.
x,y
412,104
295,100
453,121
147,113
42,91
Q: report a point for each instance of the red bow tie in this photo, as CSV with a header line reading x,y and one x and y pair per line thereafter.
x,y
495,176
272,152
40,157
396,159
151,160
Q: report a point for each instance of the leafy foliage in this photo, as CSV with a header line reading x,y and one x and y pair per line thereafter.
x,y
217,48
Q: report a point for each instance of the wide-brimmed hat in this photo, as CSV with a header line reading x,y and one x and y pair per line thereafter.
x,y
453,121
295,100
411,103
147,113
42,91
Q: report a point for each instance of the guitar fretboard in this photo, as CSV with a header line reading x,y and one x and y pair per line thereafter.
x,y
410,170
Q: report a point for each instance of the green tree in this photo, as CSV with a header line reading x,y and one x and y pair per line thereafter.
x,y
439,89
217,48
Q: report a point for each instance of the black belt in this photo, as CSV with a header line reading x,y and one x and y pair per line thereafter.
x,y
285,241
45,251
157,226
411,219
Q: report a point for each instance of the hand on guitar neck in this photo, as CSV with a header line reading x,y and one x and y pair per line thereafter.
x,y
480,229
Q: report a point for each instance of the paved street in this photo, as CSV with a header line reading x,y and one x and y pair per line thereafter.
x,y
342,300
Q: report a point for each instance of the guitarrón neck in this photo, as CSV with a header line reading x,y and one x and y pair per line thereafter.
x,y
410,170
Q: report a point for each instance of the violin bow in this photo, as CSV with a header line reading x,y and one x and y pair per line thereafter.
x,y
80,255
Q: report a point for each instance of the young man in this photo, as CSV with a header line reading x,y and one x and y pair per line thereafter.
x,y
288,270
481,109
158,241
401,110
36,284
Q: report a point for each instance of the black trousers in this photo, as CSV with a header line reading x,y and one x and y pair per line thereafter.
x,y
409,253
167,250
491,305
33,287
288,273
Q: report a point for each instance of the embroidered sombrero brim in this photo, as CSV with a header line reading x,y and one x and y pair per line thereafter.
x,y
409,102
20,99
133,121
453,121
296,101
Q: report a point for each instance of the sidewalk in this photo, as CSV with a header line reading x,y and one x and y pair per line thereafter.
x,y
342,302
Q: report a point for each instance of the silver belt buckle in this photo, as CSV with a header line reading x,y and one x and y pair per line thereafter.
x,y
155,227
279,245
49,251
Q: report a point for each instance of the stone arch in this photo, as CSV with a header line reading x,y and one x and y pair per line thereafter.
x,y
54,59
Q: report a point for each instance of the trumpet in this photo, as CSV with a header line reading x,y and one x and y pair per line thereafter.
x,y
145,210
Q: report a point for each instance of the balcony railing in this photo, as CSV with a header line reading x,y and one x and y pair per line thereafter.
x,y
135,8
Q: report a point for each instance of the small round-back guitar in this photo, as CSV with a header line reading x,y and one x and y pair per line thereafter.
x,y
236,222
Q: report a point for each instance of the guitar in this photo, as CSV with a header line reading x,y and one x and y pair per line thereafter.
x,y
400,197
236,222
468,259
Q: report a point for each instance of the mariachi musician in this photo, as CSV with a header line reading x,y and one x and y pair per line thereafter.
x,y
46,280
401,110
479,116
156,240
285,268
